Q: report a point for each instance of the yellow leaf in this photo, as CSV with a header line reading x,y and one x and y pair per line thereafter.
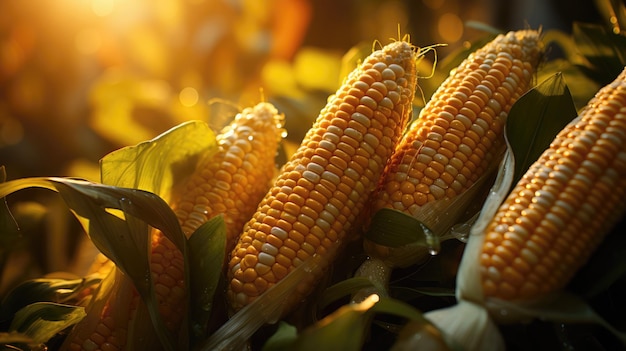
x,y
279,78
317,69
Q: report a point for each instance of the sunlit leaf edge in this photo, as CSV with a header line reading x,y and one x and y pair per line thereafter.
x,y
91,201
536,118
207,251
42,290
42,320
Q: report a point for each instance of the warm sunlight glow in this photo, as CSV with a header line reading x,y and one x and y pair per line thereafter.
x,y
367,303
450,27
102,7
188,97
88,41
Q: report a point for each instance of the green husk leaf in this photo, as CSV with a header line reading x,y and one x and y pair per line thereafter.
x,y
282,339
536,118
157,164
123,240
343,288
115,292
207,250
267,308
8,226
349,320
42,290
42,320
393,228
433,221
397,308
344,329
14,339
581,86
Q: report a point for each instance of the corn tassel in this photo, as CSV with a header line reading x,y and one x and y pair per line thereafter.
x,y
320,193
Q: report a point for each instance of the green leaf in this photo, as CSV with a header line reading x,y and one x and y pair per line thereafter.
x,y
535,119
267,308
605,51
123,240
393,228
207,250
157,164
42,320
41,290
8,227
283,338
343,288
15,338
581,86
345,328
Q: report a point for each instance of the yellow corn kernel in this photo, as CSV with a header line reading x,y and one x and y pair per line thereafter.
x,y
322,190
231,182
105,326
247,148
459,132
563,206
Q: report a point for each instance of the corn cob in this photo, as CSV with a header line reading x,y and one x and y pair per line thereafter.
x,y
105,326
320,193
522,252
233,181
230,182
560,210
459,132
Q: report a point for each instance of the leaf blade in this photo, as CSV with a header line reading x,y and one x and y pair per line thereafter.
x,y
536,118
42,320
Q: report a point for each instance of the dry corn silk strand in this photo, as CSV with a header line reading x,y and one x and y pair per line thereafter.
x,y
317,200
519,259
230,182
457,137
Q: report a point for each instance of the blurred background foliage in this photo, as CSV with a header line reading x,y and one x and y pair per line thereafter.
x,y
81,78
